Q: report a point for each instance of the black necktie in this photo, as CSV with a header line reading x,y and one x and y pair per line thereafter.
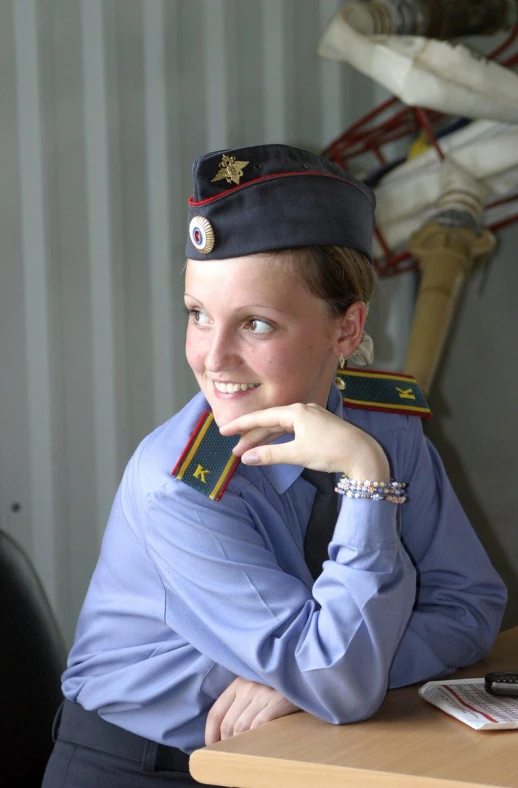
x,y
322,519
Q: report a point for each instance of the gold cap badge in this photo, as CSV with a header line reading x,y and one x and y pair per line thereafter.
x,y
201,234
230,169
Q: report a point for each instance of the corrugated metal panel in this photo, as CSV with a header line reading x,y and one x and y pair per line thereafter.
x,y
34,261
105,104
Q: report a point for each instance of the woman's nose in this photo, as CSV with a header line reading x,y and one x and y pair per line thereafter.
x,y
221,353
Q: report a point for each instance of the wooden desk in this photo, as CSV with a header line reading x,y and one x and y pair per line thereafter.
x,y
408,744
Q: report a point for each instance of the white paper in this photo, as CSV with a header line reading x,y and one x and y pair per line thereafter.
x,y
468,701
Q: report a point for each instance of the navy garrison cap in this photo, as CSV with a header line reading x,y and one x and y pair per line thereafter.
x,y
267,197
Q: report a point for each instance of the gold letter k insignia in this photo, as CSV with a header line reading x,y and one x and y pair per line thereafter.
x,y
405,393
200,472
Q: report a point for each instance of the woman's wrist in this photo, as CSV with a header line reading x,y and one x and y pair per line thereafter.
x,y
370,464
379,472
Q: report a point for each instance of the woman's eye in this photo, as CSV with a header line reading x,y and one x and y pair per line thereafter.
x,y
197,316
257,326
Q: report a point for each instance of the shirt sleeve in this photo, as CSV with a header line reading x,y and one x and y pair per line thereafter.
x,y
460,598
329,649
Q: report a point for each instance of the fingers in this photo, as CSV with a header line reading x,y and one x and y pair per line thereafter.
x,y
241,719
242,706
260,428
277,707
235,708
255,437
282,418
315,434
217,714
321,440
287,453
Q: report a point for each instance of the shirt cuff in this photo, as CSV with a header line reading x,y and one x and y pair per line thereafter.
x,y
367,523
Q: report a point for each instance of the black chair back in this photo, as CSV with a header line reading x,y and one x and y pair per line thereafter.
x,y
32,659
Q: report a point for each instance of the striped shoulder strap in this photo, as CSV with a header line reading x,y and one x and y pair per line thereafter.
x,y
390,392
207,462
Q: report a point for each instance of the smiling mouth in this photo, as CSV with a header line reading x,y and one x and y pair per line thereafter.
x,y
232,388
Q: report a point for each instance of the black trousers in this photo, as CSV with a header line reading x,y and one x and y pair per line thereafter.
x,y
92,753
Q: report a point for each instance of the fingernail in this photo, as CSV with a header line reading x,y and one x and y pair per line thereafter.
x,y
250,458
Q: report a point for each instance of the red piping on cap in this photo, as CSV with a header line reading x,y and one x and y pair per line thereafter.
x,y
268,177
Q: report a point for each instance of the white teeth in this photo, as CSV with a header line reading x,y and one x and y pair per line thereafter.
x,y
232,388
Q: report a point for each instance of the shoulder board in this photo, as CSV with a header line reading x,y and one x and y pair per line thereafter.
x,y
207,462
390,392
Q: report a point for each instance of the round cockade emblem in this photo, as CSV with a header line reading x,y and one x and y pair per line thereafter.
x,y
201,234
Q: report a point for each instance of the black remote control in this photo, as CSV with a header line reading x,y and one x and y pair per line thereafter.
x,y
504,683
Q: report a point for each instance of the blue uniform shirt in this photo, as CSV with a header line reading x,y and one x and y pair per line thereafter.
x,y
189,593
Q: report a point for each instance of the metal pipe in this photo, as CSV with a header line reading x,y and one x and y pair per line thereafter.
x,y
440,19
446,256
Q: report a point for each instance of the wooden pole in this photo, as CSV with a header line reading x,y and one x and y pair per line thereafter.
x,y
446,256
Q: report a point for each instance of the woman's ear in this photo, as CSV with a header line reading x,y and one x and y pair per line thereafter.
x,y
352,325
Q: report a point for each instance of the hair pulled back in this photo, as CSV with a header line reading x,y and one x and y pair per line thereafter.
x,y
336,274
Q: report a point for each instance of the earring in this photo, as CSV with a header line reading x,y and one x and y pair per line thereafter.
x,y
339,381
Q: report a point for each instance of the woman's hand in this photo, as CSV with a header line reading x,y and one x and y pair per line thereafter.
x,y
322,441
242,706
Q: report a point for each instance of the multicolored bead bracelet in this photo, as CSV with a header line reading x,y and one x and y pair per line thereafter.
x,y
376,491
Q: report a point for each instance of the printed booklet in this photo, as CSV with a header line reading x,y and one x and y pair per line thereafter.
x,y
468,701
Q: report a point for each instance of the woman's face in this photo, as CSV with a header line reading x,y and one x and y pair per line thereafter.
x,y
256,337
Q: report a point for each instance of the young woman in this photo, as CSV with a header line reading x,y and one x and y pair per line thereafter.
x,y
224,595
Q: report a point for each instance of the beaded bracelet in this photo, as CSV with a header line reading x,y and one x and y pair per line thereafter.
x,y
375,491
